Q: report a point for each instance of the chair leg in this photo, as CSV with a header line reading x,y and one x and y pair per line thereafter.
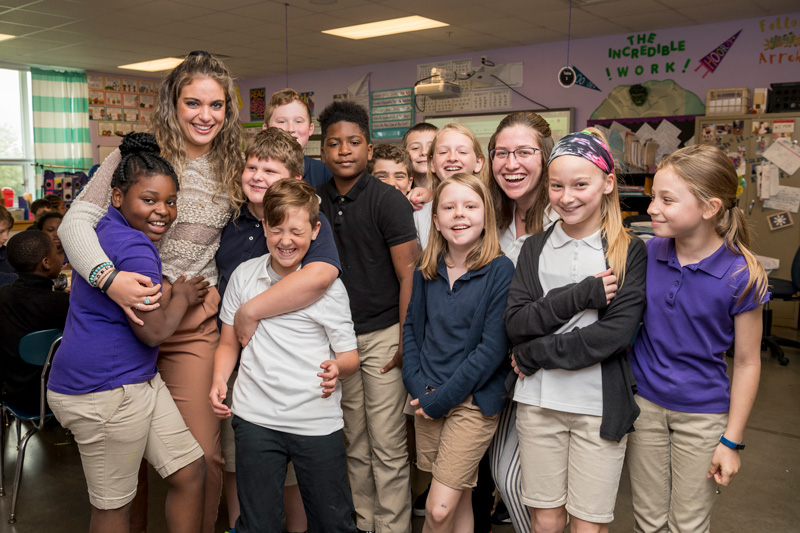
x,y
18,472
19,431
771,342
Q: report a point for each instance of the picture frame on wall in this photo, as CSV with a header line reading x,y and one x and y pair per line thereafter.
x,y
97,98
112,84
114,113
95,82
130,100
144,116
130,115
147,87
141,128
130,85
97,113
105,129
122,128
113,98
147,101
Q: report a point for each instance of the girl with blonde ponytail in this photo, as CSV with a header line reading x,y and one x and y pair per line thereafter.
x,y
705,291
573,306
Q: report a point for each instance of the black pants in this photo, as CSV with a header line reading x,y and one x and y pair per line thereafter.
x,y
319,461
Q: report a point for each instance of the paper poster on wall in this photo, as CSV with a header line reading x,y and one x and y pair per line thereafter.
x,y
712,59
784,154
257,104
787,199
391,112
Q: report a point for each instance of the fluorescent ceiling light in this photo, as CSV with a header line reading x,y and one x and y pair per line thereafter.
x,y
5,37
386,27
155,65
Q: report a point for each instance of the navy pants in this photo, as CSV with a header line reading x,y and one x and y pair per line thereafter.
x,y
319,461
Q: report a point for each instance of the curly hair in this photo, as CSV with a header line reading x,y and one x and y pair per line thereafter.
x,y
141,157
344,111
225,155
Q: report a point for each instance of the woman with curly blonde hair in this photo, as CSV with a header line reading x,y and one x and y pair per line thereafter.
x,y
197,126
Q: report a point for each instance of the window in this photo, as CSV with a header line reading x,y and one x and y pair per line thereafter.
x,y
16,132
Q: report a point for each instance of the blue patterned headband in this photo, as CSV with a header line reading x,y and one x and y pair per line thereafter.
x,y
587,146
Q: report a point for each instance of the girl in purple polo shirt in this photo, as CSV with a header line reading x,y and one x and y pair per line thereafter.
x,y
705,290
104,385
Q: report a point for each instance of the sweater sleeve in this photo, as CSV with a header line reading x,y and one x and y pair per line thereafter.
x,y
613,332
411,343
77,231
482,362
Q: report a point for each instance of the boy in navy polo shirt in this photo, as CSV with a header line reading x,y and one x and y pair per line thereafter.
x,y
373,227
288,111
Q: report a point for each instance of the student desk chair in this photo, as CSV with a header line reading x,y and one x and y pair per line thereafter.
x,y
788,291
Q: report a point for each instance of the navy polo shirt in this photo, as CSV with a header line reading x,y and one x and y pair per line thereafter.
x,y
315,171
243,239
367,221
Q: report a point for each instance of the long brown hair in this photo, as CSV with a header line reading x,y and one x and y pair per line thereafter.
x,y
488,247
710,174
503,205
225,155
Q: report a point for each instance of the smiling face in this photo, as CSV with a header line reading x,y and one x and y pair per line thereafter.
x,y
459,217
454,153
258,176
293,118
288,242
517,175
149,205
201,114
419,143
392,173
345,150
674,210
50,226
576,191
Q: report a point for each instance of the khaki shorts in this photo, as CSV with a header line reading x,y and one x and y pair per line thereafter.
x,y
565,462
452,446
114,429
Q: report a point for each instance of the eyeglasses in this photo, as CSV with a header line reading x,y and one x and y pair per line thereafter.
x,y
520,154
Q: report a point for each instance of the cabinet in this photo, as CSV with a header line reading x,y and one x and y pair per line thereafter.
x,y
749,136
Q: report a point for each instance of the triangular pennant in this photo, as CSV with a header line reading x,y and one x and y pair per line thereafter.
x,y
712,60
583,81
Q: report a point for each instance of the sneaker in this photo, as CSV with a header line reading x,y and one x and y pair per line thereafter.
x,y
501,514
419,504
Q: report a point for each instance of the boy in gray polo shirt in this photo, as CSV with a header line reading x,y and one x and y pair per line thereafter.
x,y
281,411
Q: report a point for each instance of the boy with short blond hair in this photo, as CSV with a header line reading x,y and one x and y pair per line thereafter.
x,y
391,165
288,111
281,410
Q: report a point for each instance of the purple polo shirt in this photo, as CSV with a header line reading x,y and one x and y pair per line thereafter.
x,y
99,350
688,325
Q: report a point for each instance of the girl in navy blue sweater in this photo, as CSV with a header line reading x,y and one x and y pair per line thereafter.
x,y
454,345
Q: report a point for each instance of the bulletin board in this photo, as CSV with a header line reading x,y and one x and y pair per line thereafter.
x,y
122,101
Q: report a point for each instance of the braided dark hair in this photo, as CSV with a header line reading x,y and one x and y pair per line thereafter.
x,y
141,157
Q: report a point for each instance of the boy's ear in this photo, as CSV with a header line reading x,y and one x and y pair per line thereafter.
x,y
264,126
315,230
310,127
116,197
369,152
298,176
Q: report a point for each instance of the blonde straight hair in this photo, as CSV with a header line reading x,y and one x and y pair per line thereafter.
x,y
483,173
709,173
488,248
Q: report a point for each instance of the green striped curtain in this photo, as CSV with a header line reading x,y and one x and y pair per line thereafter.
x,y
61,120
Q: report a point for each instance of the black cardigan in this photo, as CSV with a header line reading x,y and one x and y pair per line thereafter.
x,y
531,320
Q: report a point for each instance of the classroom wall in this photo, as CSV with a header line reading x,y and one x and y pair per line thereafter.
x,y
767,50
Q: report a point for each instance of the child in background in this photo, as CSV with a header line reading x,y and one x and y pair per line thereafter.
x,y
104,385
374,232
39,207
55,202
7,272
417,142
454,149
281,414
391,165
455,345
271,155
573,307
27,305
288,111
49,223
705,291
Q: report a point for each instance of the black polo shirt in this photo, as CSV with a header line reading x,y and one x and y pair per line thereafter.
x,y
367,221
27,305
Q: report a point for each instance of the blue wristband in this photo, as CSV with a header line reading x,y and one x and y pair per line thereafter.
x,y
730,444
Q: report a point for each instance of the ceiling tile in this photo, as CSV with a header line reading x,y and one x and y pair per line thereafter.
x,y
32,18
623,7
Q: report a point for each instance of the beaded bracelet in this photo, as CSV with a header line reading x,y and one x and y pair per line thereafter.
x,y
96,271
101,275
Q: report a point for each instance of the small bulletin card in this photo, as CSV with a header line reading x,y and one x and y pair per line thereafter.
x,y
391,112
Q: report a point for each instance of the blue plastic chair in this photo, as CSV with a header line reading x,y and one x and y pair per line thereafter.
x,y
35,348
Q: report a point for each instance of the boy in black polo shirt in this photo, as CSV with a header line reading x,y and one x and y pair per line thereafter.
x,y
373,227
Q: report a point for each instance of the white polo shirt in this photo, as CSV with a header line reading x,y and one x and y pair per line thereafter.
x,y
278,386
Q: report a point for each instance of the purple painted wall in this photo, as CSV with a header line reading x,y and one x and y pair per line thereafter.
x,y
753,60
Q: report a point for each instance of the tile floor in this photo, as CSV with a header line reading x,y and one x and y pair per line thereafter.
x,y
764,497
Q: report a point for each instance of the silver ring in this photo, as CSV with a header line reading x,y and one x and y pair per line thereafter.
x,y
147,301
137,306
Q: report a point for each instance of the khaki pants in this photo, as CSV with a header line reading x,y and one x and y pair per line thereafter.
x,y
375,434
186,363
668,458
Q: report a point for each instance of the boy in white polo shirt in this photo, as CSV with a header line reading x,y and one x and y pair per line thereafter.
x,y
286,401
